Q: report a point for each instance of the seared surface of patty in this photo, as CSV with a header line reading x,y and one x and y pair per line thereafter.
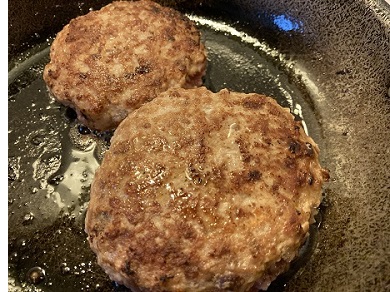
x,y
109,62
204,191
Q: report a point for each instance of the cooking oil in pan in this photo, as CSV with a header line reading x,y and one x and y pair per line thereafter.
x,y
52,160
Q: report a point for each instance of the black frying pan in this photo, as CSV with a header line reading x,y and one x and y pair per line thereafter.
x,y
329,61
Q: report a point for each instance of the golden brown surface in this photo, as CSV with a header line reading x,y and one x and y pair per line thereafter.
x,y
204,191
109,62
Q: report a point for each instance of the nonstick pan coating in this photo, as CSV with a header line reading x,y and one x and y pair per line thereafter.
x,y
328,61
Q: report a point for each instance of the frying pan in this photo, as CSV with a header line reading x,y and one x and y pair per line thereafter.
x,y
329,61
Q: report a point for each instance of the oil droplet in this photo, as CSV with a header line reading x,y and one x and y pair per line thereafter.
x,y
36,275
83,130
56,180
64,269
37,140
13,256
28,218
70,114
21,242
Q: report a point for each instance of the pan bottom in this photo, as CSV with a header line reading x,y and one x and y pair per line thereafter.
x,y
52,160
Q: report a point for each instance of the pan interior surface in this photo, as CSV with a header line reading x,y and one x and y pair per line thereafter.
x,y
52,159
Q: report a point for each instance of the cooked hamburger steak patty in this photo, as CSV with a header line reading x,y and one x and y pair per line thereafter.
x,y
109,62
204,191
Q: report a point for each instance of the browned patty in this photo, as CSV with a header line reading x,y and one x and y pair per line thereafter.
x,y
109,62
204,191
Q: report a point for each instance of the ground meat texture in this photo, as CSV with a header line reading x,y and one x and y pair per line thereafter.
x,y
204,191
109,62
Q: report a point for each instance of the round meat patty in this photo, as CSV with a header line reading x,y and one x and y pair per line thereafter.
x,y
109,62
204,191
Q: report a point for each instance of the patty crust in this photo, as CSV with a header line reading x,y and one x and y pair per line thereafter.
x,y
109,62
204,191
